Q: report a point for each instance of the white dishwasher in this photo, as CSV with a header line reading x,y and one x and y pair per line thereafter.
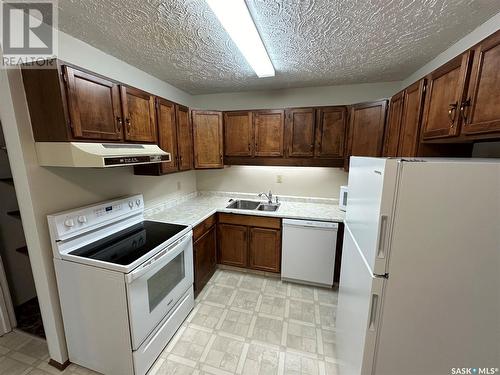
x,y
308,252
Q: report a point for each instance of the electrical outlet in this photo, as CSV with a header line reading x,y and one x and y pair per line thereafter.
x,y
279,179
179,185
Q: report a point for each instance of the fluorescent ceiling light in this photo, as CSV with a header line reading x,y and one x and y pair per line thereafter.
x,y
236,19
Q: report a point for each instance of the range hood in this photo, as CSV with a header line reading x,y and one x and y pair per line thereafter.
x,y
97,155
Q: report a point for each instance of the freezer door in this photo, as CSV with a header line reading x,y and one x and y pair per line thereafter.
x,y
372,188
358,312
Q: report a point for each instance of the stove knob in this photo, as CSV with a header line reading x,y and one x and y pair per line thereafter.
x,y
138,202
69,223
82,219
130,204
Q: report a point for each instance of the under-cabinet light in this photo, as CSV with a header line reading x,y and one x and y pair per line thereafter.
x,y
237,21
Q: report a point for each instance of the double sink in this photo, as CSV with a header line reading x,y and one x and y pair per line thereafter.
x,y
241,204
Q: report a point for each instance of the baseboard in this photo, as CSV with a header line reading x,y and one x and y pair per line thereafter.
x,y
59,366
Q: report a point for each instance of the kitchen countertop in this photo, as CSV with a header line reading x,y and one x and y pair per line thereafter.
x,y
196,208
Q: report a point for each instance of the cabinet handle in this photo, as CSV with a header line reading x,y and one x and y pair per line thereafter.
x,y
452,112
220,156
128,123
119,123
312,146
180,159
463,107
256,146
249,146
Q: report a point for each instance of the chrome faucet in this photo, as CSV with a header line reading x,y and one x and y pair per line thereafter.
x,y
268,196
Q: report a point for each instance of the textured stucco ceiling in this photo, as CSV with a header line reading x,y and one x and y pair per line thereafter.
x,y
310,42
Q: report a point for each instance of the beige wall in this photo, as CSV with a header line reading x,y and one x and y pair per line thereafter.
x,y
486,150
47,190
298,181
299,97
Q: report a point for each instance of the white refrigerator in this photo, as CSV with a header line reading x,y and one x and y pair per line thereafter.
x,y
420,277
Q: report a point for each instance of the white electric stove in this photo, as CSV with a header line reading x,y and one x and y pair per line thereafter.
x,y
125,283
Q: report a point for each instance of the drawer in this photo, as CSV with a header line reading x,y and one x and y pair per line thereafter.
x,y
203,227
252,221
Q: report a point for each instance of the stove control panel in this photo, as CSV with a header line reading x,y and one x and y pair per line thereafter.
x,y
75,221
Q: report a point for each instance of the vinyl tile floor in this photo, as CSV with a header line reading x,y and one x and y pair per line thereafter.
x,y
242,323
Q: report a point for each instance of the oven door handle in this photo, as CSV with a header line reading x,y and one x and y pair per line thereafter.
x,y
170,251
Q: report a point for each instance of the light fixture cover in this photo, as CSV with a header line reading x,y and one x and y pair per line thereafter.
x,y
237,21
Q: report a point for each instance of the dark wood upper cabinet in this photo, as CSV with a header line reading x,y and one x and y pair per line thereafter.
x,y
174,136
393,128
207,137
413,103
269,126
139,115
265,249
238,133
233,245
167,133
445,91
184,138
93,105
481,109
299,132
330,132
366,129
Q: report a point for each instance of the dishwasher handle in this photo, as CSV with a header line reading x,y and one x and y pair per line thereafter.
x,y
310,223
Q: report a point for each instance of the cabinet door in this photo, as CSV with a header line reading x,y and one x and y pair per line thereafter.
x,y
300,124
265,249
481,110
366,129
238,133
94,106
167,133
139,113
205,249
444,94
409,137
269,129
393,125
184,138
233,245
207,136
330,132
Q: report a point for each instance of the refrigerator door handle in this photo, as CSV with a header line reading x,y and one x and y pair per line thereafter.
x,y
381,236
373,312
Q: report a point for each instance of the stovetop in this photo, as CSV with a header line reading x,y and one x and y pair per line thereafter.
x,y
128,245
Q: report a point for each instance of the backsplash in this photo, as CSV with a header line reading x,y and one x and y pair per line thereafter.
x,y
290,181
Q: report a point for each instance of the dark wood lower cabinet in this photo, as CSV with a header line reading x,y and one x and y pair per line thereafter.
x,y
250,242
265,249
233,249
205,250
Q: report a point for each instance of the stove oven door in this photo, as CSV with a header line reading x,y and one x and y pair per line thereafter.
x,y
155,287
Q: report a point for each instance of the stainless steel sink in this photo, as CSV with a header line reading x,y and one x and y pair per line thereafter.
x,y
268,207
241,204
